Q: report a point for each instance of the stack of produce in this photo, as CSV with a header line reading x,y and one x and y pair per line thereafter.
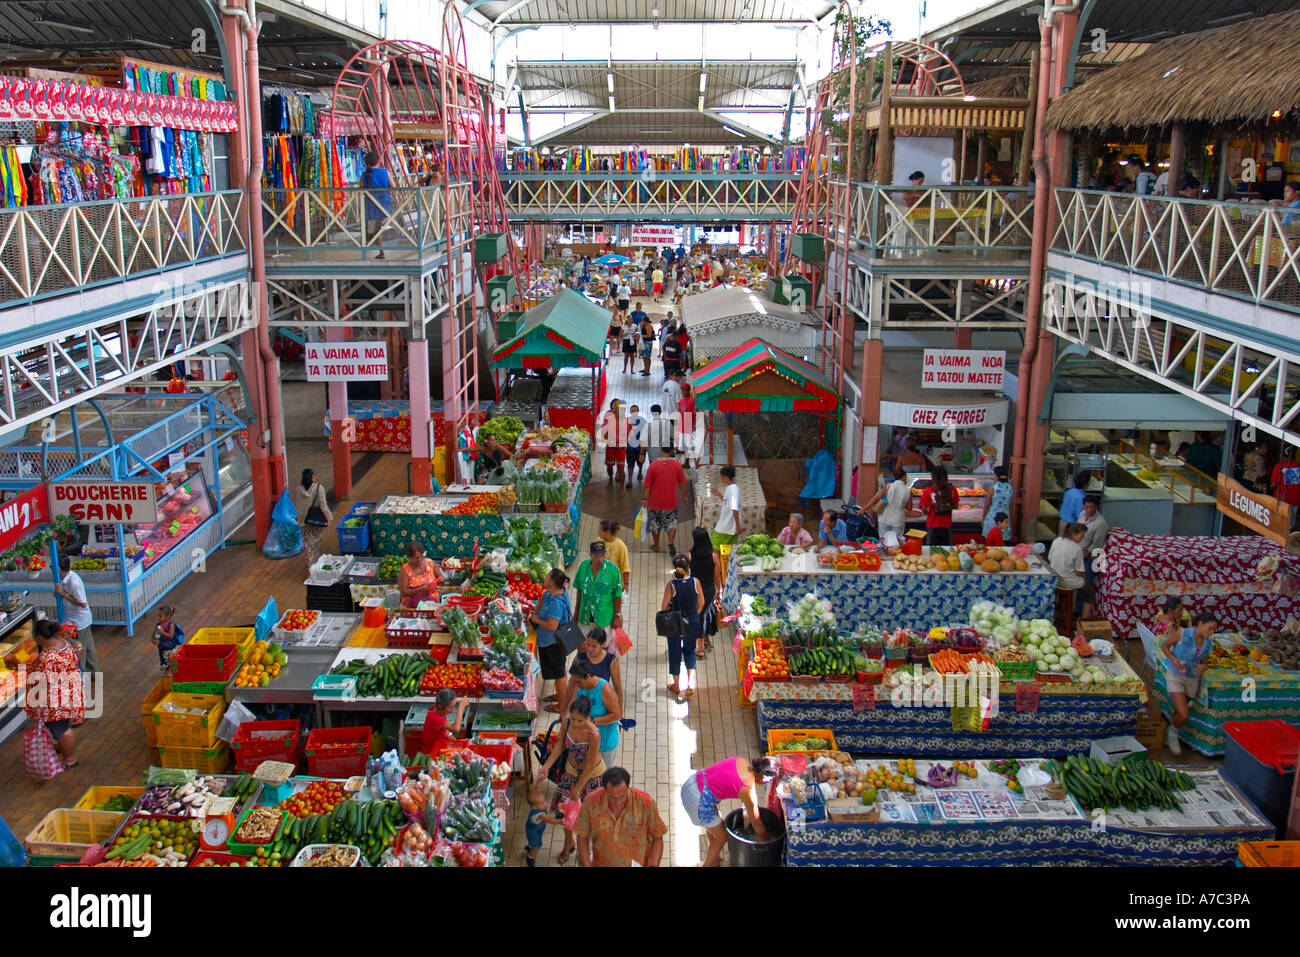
x,y
265,661
763,550
481,503
769,659
466,679
506,429
1135,783
391,676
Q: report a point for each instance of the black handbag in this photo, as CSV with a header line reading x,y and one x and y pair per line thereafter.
x,y
315,515
570,636
670,623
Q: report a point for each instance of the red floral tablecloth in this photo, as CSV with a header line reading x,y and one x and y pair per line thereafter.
x,y
1211,574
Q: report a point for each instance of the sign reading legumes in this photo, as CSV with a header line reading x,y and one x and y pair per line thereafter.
x,y
963,369
354,361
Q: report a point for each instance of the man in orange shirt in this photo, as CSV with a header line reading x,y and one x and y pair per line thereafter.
x,y
619,826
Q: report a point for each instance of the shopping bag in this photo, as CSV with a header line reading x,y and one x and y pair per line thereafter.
x,y
40,757
571,809
284,540
639,523
11,849
622,643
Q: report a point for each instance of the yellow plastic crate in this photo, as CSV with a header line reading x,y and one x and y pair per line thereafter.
x,y
787,735
241,638
1269,853
181,730
159,691
212,760
103,792
65,833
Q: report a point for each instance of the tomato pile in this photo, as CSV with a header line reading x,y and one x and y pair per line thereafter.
x,y
464,679
319,797
769,659
298,620
528,591
483,502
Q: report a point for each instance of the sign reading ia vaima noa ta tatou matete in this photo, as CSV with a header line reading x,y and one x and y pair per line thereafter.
x,y
963,369
647,235
355,361
107,502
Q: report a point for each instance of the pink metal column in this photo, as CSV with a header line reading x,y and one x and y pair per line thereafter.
x,y
417,354
338,411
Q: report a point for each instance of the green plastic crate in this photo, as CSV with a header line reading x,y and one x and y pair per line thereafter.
x,y
501,290
810,247
490,247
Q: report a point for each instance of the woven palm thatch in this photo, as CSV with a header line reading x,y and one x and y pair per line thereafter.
x,y
1007,86
1237,74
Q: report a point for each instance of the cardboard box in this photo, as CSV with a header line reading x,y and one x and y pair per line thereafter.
x,y
914,533
1113,750
1092,628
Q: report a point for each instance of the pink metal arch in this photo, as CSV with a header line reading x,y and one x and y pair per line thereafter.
x,y
923,71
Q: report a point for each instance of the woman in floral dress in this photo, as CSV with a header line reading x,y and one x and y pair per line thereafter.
x,y
56,695
582,766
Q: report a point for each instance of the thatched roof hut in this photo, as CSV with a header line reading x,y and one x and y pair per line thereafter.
x,y
1237,75
1007,86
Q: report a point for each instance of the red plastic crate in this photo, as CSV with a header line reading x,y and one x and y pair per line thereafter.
x,y
204,662
220,858
498,753
258,741
337,752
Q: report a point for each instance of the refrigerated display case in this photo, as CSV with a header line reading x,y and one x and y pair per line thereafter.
x,y
973,496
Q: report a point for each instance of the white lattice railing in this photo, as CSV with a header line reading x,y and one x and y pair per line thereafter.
x,y
1238,249
650,195
900,221
51,250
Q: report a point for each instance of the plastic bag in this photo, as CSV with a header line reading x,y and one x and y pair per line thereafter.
x,y
622,643
638,523
284,540
11,849
236,714
40,757
571,809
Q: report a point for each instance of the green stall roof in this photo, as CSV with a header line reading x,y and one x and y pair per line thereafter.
x,y
565,331
720,385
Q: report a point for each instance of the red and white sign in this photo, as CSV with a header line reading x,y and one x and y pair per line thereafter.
x,y
19,516
963,369
105,502
355,361
943,416
657,236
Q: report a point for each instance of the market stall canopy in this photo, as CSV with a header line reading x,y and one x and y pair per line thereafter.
x,y
722,318
612,259
758,377
1231,75
564,331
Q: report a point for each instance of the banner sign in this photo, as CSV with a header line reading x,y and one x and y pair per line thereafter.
x,y
24,98
355,361
658,236
97,502
1264,514
943,416
19,516
963,369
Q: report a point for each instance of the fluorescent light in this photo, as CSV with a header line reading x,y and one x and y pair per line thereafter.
x,y
700,104
142,42
704,79
609,81
733,132
666,130
611,102
63,25
968,98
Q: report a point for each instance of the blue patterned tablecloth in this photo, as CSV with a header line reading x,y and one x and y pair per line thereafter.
x,y
1062,725
1011,844
917,601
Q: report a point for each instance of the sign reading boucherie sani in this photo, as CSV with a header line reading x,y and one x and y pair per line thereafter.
x,y
356,361
1264,514
108,502
963,369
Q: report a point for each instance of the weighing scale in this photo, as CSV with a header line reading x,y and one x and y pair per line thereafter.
x,y
218,824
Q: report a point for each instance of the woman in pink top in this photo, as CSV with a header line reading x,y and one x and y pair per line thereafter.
x,y
724,781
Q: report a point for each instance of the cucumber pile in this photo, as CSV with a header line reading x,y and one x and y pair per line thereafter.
x,y
821,661
1135,783
396,676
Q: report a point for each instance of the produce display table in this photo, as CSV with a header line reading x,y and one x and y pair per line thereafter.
x,y
451,536
1209,573
1068,719
915,600
1044,833
753,504
1275,694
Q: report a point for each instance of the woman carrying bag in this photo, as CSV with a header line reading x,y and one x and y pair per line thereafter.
x,y
317,516
679,621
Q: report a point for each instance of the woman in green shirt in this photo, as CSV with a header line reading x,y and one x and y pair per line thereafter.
x,y
599,588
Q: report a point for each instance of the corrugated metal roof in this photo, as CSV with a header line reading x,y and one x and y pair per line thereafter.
x,y
657,84
622,129
522,12
290,51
